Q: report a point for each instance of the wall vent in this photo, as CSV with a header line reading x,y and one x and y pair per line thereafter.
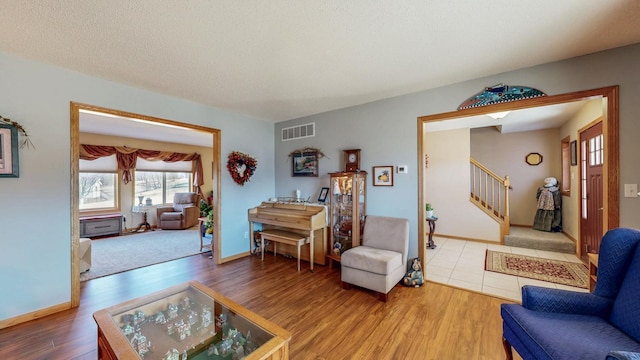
x,y
299,132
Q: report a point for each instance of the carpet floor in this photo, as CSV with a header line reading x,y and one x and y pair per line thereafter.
x,y
529,238
121,253
555,271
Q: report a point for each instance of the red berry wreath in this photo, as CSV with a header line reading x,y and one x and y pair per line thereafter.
x,y
241,167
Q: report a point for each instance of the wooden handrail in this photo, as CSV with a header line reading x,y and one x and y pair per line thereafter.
x,y
484,169
490,193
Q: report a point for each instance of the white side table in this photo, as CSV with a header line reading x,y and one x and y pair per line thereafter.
x,y
142,209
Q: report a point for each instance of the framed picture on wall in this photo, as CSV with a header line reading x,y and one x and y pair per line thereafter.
x,y
574,152
383,176
305,164
323,194
8,151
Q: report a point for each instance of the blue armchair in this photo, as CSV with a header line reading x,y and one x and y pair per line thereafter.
x,y
561,324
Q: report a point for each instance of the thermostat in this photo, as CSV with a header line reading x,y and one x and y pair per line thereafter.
x,y
402,169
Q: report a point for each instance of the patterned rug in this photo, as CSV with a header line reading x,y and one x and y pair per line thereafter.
x,y
555,271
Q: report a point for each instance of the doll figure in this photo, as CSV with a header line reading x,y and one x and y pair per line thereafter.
x,y
414,276
549,208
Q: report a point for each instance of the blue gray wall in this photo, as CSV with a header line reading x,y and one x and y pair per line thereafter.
x,y
385,130
35,222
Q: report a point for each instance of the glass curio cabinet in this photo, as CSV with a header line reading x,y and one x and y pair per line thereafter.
x,y
348,210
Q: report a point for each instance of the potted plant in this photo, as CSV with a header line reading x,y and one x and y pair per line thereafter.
x,y
429,210
204,208
209,223
206,211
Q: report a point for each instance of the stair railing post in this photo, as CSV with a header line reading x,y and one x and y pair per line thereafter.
x,y
507,185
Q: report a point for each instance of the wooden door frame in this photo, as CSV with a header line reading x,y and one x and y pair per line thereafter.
x,y
610,130
75,171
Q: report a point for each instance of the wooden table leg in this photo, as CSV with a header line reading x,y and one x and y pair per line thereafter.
x,y
432,229
311,250
299,256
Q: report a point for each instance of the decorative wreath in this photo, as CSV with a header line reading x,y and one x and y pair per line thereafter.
x,y
241,167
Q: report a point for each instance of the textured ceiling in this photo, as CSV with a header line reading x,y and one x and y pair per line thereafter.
x,y
277,60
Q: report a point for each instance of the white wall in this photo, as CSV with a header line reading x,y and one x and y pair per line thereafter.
x,y
385,130
36,221
447,185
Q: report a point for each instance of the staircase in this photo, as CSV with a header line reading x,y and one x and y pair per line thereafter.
x,y
490,193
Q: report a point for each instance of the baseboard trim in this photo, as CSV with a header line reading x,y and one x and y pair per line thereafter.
x,y
467,239
34,315
234,257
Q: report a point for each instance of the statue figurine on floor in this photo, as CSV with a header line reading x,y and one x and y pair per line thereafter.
x,y
414,276
549,210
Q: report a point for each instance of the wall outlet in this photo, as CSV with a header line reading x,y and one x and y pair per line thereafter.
x,y
246,234
402,169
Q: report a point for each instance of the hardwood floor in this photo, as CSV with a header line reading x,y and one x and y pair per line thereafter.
x,y
431,322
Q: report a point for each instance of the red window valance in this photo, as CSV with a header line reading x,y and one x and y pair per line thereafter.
x,y
127,157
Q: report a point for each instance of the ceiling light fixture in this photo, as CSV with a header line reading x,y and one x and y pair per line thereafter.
x,y
499,115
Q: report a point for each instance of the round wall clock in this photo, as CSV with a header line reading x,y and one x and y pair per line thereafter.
x,y
352,159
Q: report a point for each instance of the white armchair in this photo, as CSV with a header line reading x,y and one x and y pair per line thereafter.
x,y
381,261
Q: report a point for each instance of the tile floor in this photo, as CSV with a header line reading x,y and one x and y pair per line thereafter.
x,y
460,263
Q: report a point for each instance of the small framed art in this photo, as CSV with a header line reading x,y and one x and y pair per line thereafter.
x,y
323,195
382,176
574,152
305,164
9,166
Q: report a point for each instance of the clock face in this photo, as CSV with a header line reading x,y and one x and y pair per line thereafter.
x,y
352,160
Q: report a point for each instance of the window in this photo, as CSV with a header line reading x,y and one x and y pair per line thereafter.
x,y
596,151
98,184
160,186
566,167
98,190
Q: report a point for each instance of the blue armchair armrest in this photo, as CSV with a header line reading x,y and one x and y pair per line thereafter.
x,y
623,355
565,301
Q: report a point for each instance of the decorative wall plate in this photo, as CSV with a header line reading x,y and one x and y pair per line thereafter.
x,y
500,93
533,159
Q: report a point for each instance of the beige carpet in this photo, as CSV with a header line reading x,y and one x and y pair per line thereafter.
x,y
526,237
555,271
121,253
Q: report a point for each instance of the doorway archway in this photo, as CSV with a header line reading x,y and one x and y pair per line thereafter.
x,y
75,152
611,176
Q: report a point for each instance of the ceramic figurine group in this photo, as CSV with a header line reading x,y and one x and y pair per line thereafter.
x,y
179,321
233,343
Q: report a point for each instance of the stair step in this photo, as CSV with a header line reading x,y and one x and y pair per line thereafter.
x,y
539,240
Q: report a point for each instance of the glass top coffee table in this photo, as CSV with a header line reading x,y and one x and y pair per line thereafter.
x,y
187,321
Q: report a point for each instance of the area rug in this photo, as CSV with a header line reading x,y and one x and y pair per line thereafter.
x,y
555,271
121,253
